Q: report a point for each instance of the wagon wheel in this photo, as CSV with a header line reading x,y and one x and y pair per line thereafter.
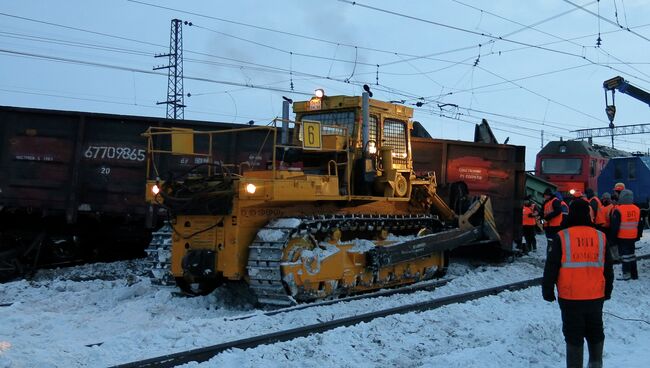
x,y
10,265
197,289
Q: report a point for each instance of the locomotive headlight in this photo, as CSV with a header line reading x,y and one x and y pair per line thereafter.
x,y
320,93
155,189
251,188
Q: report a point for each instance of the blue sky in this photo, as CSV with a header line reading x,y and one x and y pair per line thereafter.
x,y
545,72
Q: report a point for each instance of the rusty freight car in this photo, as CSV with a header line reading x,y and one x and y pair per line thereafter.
x,y
71,184
496,170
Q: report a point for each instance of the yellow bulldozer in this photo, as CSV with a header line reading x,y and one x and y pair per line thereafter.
x,y
332,207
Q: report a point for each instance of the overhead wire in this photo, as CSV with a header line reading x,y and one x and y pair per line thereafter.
x,y
556,16
104,65
390,90
583,8
281,49
482,34
143,71
571,41
456,28
12,90
273,30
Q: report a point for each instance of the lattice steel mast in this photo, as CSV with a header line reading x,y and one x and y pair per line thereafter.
x,y
175,97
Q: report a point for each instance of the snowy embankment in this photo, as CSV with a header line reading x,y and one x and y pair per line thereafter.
x,y
512,329
100,315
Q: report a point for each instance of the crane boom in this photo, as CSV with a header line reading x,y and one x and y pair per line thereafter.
x,y
623,86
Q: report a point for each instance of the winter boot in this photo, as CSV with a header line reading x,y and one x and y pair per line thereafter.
x,y
574,355
624,276
595,355
634,272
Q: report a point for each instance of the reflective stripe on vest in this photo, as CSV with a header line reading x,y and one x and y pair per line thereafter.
x,y
569,263
581,274
630,216
548,208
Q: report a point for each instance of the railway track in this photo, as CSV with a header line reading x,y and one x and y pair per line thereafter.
x,y
206,353
421,286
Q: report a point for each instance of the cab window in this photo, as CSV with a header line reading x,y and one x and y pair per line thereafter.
x,y
395,136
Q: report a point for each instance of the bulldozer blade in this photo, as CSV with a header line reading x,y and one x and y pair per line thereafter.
x,y
420,247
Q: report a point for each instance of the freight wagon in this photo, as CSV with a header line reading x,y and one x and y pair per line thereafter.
x,y
72,183
496,170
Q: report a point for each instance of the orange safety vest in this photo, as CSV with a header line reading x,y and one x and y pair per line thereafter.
x,y
527,220
600,215
630,216
607,213
548,208
583,263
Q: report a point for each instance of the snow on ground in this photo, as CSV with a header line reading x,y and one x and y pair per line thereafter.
x,y
122,317
512,329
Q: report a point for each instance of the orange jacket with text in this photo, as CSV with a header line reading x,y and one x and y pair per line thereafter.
x,y
583,260
630,216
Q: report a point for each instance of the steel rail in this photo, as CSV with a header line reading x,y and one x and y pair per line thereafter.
x,y
206,353
426,285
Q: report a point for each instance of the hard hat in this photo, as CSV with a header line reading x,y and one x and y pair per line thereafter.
x,y
619,186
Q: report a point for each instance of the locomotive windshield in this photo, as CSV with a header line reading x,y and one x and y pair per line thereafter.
x,y
571,166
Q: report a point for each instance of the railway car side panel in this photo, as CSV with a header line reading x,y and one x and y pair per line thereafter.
x,y
111,166
494,170
36,158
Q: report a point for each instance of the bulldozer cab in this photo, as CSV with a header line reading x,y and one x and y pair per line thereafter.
x,y
378,140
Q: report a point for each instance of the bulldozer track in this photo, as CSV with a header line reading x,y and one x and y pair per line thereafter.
x,y
206,353
266,254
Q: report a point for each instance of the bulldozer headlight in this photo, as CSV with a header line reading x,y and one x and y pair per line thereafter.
x,y
155,189
372,147
251,188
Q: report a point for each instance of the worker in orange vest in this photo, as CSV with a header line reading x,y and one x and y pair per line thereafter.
x,y
552,214
607,207
618,188
579,263
597,208
625,229
529,223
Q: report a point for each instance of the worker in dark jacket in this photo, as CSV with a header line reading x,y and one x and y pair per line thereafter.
x,y
552,214
626,228
579,263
